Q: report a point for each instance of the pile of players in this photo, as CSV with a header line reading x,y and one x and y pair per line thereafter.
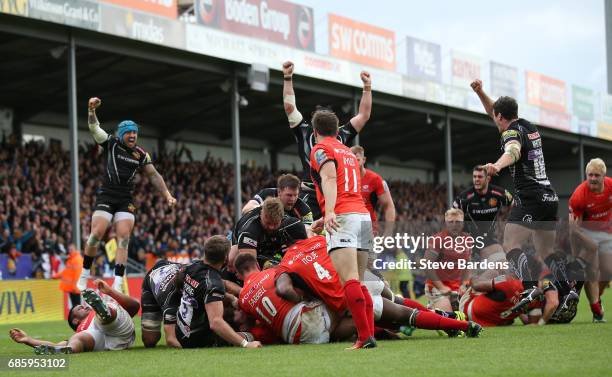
x,y
279,280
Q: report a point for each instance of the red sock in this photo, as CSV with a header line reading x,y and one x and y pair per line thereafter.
x,y
414,304
596,308
432,321
369,308
356,304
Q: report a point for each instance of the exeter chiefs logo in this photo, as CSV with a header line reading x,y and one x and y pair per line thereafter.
x,y
136,155
131,208
207,11
493,202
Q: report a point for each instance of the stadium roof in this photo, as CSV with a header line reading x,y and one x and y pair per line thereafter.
x,y
171,91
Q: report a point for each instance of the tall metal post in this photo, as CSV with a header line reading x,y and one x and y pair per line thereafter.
x,y
449,160
74,145
235,109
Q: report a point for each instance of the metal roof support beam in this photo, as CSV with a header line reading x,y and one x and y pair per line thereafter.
x,y
235,114
74,145
449,160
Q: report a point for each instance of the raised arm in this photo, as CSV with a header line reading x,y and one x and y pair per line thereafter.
x,y
99,135
293,114
365,105
158,181
487,102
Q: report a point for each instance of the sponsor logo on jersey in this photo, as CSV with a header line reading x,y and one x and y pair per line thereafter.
x,y
533,135
249,241
365,188
509,134
320,156
527,218
550,198
131,207
127,159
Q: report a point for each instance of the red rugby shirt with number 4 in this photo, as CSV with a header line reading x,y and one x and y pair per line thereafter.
x,y
348,177
309,260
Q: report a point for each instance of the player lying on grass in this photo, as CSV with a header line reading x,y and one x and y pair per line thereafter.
x,y
106,324
498,301
303,322
307,267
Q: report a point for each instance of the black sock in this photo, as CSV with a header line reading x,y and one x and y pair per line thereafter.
x,y
87,262
119,269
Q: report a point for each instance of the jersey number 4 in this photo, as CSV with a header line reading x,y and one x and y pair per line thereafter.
x,y
322,273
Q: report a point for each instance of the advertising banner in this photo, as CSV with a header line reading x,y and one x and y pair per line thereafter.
x,y
583,99
464,69
361,43
504,80
545,92
143,27
604,130
423,60
273,20
165,8
16,7
80,13
555,119
30,301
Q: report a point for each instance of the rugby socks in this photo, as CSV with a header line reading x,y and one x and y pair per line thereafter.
x,y
369,304
431,321
596,309
357,306
413,304
119,270
87,262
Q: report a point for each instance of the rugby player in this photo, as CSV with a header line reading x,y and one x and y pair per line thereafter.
x,y
446,284
334,171
591,228
114,201
498,301
481,204
375,193
304,133
106,324
534,214
160,299
304,322
307,267
200,320
287,190
265,232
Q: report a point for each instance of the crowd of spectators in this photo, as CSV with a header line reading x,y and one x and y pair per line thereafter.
x,y
35,197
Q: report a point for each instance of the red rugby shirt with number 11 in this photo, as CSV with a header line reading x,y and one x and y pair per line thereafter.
x,y
348,177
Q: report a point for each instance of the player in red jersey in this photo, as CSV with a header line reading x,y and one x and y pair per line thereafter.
x,y
334,171
307,266
105,325
375,193
498,301
448,246
591,228
303,322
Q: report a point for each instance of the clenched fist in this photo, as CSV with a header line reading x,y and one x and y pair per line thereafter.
x,y
476,85
366,78
94,103
288,68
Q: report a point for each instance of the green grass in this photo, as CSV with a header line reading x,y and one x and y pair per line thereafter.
x,y
578,349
